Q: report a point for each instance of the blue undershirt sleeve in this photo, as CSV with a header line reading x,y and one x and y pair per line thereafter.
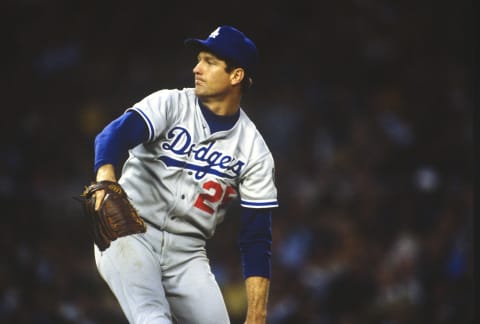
x,y
118,137
255,241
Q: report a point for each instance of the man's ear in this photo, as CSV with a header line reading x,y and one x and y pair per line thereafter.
x,y
237,75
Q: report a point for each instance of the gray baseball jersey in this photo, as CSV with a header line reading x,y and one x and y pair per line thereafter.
x,y
183,178
181,181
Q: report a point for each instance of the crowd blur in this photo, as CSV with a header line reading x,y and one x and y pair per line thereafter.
x,y
367,108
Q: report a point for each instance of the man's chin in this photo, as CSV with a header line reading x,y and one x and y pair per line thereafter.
x,y
200,92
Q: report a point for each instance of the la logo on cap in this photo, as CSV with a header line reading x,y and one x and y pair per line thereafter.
x,y
215,33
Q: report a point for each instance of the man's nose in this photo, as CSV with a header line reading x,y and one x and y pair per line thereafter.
x,y
196,68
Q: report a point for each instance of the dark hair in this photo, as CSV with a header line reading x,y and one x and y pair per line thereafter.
x,y
247,81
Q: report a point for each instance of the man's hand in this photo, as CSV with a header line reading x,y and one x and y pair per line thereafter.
x,y
105,172
111,213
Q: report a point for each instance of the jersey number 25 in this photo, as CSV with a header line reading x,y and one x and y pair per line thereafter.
x,y
216,196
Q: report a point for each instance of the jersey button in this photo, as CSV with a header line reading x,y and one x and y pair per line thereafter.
x,y
190,172
182,196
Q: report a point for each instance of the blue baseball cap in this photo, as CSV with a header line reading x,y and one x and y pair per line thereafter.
x,y
230,44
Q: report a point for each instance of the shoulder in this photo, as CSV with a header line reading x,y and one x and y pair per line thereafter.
x,y
167,101
253,137
170,94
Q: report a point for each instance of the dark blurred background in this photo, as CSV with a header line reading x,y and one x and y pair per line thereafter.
x,y
367,107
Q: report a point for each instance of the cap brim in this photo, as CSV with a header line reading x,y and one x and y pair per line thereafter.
x,y
202,45
195,43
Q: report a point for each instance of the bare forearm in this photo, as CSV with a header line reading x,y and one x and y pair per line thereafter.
x,y
257,298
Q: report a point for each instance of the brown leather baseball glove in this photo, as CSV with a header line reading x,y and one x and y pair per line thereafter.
x,y
116,216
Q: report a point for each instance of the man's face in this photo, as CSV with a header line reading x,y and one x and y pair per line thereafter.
x,y
211,78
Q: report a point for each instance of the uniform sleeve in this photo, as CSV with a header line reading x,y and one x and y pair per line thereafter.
x,y
155,110
116,138
255,242
257,187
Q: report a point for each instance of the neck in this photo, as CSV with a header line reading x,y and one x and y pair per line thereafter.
x,y
223,107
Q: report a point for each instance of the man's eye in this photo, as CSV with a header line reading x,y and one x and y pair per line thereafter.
x,y
208,60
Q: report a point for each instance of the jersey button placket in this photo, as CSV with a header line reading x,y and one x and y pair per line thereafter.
x,y
182,196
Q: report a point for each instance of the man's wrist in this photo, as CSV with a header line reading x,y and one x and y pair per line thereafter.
x,y
106,172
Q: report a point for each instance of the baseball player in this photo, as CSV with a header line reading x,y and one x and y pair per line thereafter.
x,y
192,152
